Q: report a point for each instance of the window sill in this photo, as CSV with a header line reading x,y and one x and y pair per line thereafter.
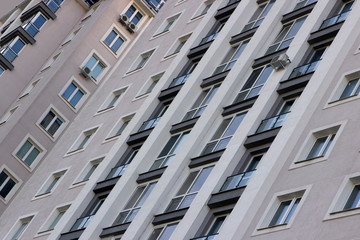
x,y
306,162
342,214
270,229
342,101
160,34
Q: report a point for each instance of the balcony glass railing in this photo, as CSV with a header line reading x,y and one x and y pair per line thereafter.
x,y
237,181
155,5
117,171
334,20
229,3
179,80
208,237
271,123
305,69
208,38
81,223
149,124
8,53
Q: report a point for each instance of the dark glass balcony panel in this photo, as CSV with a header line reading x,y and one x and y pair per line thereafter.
x,y
208,38
271,123
179,80
305,69
209,237
117,171
237,181
149,124
334,20
81,223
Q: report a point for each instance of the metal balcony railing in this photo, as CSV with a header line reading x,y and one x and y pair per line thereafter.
x,y
305,69
334,20
81,223
117,171
208,237
237,181
208,38
271,123
179,80
149,124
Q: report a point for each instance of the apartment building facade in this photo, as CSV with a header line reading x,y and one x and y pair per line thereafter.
x,y
216,119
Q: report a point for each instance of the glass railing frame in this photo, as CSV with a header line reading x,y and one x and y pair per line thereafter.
x,y
273,125
305,66
337,17
238,184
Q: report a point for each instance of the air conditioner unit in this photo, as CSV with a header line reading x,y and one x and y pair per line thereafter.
x,y
280,62
123,19
85,72
131,27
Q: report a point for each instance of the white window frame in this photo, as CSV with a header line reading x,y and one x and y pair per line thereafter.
x,y
252,22
120,34
167,25
15,178
113,134
113,100
300,158
7,115
80,87
71,36
153,80
19,222
134,14
100,60
28,90
335,100
52,59
45,228
180,42
276,200
59,116
163,227
89,168
9,47
35,143
53,181
141,61
200,11
31,22
75,147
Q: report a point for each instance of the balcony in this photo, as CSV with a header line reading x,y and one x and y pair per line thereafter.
x,y
334,20
149,124
117,171
209,237
271,123
305,69
237,181
179,80
81,223
208,38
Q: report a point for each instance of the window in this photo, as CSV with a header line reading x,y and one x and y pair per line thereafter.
x,y
83,140
134,15
51,183
120,126
119,170
141,61
338,18
29,89
352,89
11,50
70,37
48,64
7,183
254,83
303,3
156,116
20,228
150,84
201,103
89,170
2,70
259,15
28,152
231,57
242,179
114,41
163,233
6,117
278,120
184,74
113,100
204,8
34,24
54,218
169,151
320,146
54,5
286,35
96,67
214,229
51,122
284,212
73,94
189,189
178,45
354,199
223,134
167,25
82,223
213,34
135,203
